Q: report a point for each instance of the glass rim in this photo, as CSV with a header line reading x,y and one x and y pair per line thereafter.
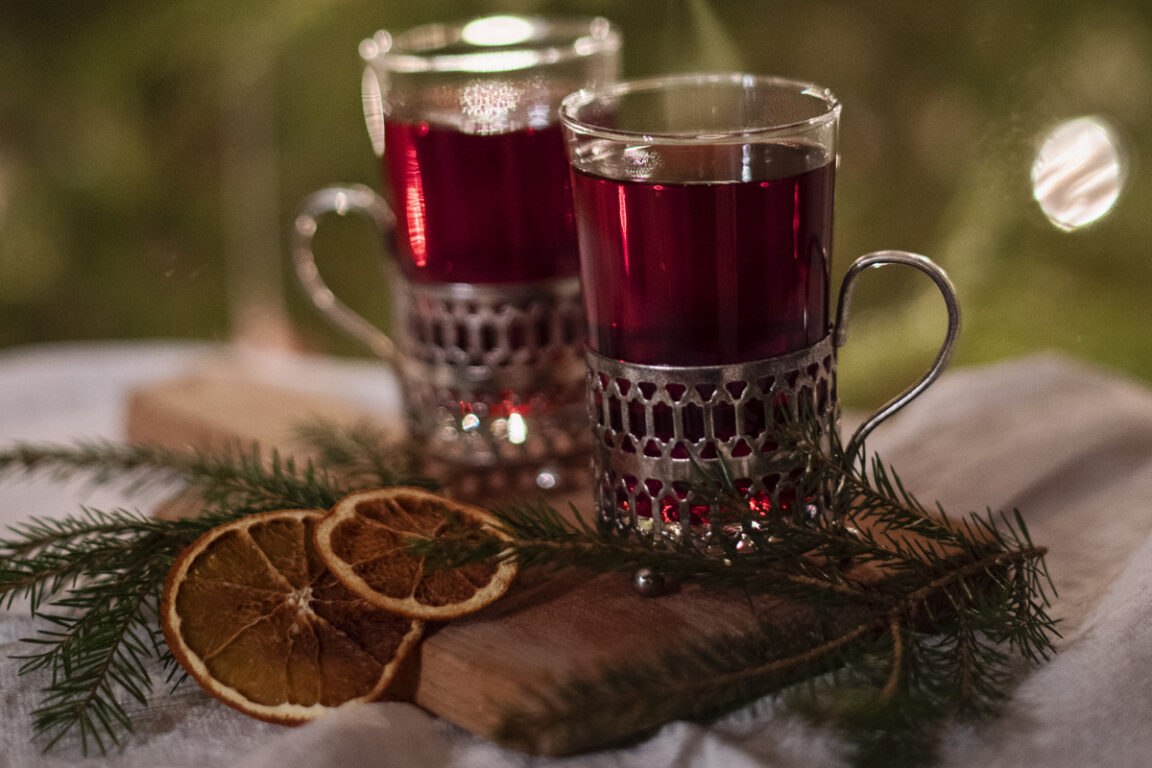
x,y
582,98
509,42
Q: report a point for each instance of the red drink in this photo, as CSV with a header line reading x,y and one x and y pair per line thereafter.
x,y
680,271
480,208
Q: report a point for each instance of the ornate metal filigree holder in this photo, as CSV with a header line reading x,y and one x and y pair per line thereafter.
x,y
493,374
655,426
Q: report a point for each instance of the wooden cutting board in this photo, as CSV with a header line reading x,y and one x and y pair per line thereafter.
x,y
547,629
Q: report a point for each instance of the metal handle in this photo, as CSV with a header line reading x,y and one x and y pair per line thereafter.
x,y
928,267
341,201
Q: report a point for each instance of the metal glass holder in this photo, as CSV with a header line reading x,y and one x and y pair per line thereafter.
x,y
656,426
493,374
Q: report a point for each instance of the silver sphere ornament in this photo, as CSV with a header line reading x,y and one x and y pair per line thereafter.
x,y
647,582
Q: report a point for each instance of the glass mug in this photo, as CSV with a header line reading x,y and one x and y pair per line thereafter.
x,y
704,214
488,330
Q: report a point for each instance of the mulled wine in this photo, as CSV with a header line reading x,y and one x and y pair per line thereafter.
x,y
680,269
487,331
480,208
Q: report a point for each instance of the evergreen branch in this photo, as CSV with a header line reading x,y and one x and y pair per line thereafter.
x,y
96,581
94,656
536,535
102,634
51,555
95,578
943,599
907,613
363,453
237,478
721,674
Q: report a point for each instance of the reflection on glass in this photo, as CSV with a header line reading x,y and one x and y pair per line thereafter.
x,y
497,30
1078,173
486,105
517,429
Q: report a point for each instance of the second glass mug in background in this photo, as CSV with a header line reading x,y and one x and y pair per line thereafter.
x,y
704,212
488,331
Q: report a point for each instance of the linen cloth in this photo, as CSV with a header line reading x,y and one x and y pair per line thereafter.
x,y
1067,444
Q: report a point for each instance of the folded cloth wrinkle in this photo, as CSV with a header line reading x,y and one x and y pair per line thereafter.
x,y
1068,445
1091,705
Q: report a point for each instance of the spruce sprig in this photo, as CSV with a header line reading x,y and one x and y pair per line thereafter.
x,y
913,628
102,634
239,478
898,632
95,578
362,453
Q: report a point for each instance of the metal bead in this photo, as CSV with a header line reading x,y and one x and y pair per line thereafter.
x,y
453,381
647,582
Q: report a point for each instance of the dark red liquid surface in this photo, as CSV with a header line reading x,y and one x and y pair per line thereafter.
x,y
480,208
682,272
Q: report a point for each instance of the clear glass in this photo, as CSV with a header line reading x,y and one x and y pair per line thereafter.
x,y
704,211
485,75
487,331
464,117
704,207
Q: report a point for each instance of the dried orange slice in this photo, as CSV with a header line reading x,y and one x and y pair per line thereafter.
x,y
362,541
250,611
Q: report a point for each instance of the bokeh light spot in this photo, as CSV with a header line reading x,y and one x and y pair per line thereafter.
x,y
1078,173
517,429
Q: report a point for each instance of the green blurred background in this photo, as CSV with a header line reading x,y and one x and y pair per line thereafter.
x,y
152,155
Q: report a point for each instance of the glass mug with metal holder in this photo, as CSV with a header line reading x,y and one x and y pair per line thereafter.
x,y
704,214
487,325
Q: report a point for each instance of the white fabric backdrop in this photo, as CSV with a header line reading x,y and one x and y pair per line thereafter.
x,y
1069,445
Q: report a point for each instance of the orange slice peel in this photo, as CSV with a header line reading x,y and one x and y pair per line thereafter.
x,y
363,541
253,614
